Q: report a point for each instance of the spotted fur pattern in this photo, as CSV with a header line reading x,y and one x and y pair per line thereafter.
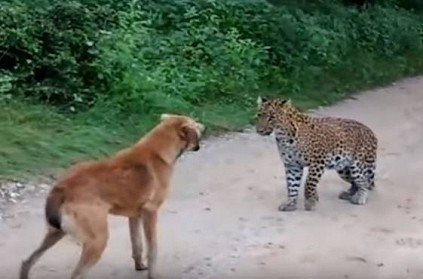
x,y
319,143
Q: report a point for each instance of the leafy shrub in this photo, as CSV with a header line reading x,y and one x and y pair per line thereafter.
x,y
48,48
146,56
197,63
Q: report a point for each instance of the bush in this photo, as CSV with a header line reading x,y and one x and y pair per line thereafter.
x,y
49,48
143,57
143,62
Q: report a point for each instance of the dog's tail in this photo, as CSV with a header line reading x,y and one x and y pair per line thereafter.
x,y
52,209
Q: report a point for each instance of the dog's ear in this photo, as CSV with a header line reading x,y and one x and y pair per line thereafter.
x,y
165,116
189,135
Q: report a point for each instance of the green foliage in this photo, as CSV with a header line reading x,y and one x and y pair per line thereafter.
x,y
416,5
117,64
146,56
49,48
154,69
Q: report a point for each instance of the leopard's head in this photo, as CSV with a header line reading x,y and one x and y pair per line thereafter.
x,y
272,113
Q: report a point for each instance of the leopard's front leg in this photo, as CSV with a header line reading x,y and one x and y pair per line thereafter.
x,y
293,175
314,175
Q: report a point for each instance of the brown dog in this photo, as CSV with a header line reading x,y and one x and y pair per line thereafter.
x,y
132,183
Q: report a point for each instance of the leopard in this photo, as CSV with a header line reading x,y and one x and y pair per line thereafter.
x,y
318,143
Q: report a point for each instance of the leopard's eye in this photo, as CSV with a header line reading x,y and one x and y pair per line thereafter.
x,y
259,114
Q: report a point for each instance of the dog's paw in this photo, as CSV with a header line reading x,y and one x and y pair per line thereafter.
x,y
139,266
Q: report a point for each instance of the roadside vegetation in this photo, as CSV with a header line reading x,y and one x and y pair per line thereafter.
x,y
82,78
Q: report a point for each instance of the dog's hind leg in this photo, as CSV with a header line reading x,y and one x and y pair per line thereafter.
x,y
52,237
136,242
92,231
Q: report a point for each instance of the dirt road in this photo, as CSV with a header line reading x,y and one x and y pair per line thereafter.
x,y
221,219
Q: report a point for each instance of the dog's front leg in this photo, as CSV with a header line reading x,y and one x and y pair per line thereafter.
x,y
150,223
136,242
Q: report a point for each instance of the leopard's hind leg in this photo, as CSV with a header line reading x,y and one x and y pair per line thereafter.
x,y
363,178
370,173
345,174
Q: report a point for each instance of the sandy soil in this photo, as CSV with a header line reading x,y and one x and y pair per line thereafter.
x,y
221,218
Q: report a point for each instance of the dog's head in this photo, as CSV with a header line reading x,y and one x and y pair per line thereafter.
x,y
188,130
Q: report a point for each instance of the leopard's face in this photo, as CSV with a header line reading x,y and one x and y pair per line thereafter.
x,y
271,113
265,117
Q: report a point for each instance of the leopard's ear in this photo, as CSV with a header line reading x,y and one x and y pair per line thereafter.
x,y
259,101
287,102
